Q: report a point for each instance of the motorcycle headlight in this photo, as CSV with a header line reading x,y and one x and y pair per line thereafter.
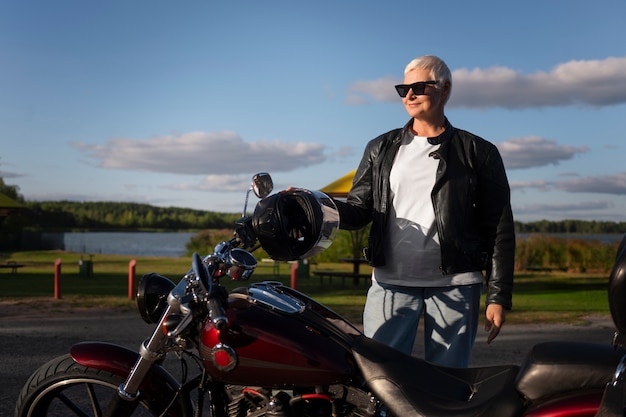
x,y
152,293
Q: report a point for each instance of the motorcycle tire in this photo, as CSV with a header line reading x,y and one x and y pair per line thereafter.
x,y
62,387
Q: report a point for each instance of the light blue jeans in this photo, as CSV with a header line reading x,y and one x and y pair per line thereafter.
x,y
392,315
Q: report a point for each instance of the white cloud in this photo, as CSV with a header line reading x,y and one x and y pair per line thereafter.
x,y
7,174
591,83
203,153
598,184
603,184
540,185
359,92
534,151
567,207
216,183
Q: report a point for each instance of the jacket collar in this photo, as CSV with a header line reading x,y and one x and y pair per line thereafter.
x,y
436,140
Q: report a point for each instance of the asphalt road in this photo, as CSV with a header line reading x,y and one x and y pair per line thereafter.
x,y
29,339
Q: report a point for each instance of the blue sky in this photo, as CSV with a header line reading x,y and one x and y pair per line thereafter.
x,y
179,103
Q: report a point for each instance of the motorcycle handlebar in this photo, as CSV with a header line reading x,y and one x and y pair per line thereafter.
x,y
217,313
245,232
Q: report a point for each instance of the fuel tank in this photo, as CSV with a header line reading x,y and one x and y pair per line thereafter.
x,y
278,337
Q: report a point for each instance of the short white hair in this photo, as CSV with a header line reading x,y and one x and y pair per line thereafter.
x,y
439,71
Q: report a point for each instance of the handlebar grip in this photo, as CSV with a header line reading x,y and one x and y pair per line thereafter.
x,y
217,314
245,232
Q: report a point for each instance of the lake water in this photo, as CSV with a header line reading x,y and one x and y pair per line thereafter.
x,y
170,244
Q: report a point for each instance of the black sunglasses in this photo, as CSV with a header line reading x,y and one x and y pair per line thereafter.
x,y
418,88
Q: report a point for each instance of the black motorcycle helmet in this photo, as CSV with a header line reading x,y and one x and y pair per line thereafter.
x,y
295,224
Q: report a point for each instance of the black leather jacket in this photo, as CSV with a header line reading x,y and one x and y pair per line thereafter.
x,y
471,199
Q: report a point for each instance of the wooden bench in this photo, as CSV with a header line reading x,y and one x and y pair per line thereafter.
x,y
13,265
339,274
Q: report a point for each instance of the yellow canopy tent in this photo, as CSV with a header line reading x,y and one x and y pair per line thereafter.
x,y
340,187
358,238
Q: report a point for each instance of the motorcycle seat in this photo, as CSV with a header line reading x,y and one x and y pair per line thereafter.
x,y
554,368
410,386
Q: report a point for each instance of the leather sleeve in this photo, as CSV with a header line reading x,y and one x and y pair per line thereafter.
x,y
500,277
357,211
499,218
352,217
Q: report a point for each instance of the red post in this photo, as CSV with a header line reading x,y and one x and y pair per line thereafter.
x,y
294,275
131,279
57,278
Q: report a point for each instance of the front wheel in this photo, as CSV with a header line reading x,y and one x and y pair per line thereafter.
x,y
62,387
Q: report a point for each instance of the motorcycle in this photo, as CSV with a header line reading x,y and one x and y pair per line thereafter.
x,y
267,349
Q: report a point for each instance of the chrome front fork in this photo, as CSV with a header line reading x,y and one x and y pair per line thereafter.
x,y
151,351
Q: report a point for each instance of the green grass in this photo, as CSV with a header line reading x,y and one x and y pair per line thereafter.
x,y
540,297
559,297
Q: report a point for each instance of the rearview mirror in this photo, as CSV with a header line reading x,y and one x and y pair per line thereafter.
x,y
262,184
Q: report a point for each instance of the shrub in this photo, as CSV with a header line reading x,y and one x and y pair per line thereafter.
x,y
581,255
204,242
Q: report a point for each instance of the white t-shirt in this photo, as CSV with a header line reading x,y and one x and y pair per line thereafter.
x,y
412,252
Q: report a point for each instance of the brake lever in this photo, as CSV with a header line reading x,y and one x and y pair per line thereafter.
x,y
245,232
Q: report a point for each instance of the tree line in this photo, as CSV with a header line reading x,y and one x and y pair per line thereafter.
x,y
71,215
571,226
